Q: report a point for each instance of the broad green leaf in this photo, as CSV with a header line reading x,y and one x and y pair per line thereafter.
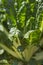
x,y
35,36
28,33
32,36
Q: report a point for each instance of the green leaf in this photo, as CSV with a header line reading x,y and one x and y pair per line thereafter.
x,y
39,56
21,17
4,39
32,36
4,62
10,10
29,51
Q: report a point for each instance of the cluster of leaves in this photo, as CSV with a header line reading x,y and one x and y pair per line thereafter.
x,y
21,32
